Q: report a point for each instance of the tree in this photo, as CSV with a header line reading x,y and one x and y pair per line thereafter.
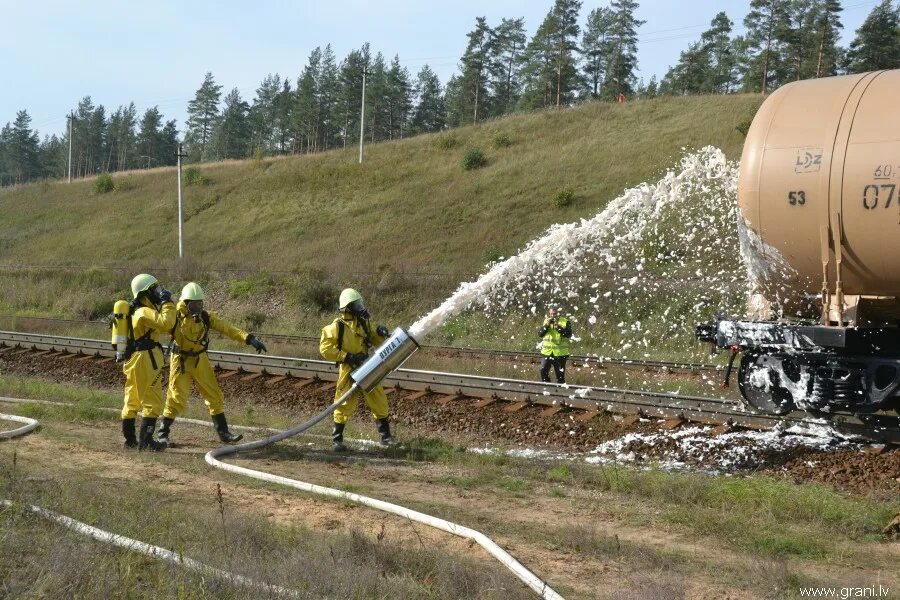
x,y
329,99
828,24
760,43
797,34
168,144
721,52
429,114
203,115
504,64
306,104
120,138
691,74
398,99
149,138
596,48
565,44
350,78
877,42
471,98
539,68
262,113
623,41
233,134
21,150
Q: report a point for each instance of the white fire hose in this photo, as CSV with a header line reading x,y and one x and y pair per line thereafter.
x,y
386,358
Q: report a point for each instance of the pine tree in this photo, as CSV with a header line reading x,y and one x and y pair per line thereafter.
x,y
623,41
22,150
721,52
472,100
539,69
53,157
350,79
691,74
762,61
203,115
429,114
329,99
877,42
565,44
596,48
504,64
828,24
149,139
797,34
168,144
398,99
377,112
262,113
306,104
233,134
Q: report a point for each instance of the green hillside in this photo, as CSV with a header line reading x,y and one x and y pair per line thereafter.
x,y
278,236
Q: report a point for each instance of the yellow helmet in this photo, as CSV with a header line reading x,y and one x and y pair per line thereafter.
x,y
142,283
347,296
191,291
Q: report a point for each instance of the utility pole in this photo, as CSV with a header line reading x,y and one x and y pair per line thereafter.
x,y
71,119
180,212
362,116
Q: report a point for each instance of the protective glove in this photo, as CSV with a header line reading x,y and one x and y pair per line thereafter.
x,y
252,340
355,360
382,331
163,295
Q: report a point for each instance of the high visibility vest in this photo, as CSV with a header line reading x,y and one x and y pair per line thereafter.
x,y
554,343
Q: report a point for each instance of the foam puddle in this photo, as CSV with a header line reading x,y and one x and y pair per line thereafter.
x,y
695,448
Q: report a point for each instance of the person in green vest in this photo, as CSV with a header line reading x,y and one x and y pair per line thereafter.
x,y
555,334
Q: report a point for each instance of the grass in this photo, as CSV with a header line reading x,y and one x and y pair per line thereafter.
x,y
770,526
41,559
271,236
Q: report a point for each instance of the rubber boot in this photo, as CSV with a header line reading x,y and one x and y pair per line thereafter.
x,y
384,428
128,432
222,429
337,438
148,425
164,429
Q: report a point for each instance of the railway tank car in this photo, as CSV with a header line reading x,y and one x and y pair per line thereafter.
x,y
819,188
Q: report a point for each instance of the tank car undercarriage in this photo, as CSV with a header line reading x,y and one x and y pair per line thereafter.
x,y
814,368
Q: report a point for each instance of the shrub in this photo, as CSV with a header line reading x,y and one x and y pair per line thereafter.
x,y
258,155
473,159
501,140
104,184
744,126
193,176
564,197
446,142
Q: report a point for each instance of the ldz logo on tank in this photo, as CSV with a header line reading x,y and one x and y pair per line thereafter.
x,y
809,160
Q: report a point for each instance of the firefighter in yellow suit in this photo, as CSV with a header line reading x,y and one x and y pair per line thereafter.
x,y
190,363
347,341
152,312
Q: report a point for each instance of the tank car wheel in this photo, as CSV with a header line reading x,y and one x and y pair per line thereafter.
x,y
760,385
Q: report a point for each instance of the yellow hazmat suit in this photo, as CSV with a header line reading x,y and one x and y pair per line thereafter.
x,y
143,371
353,341
190,362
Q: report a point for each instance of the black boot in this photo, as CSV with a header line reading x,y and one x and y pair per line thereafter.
x,y
384,428
164,430
222,429
337,438
148,425
128,432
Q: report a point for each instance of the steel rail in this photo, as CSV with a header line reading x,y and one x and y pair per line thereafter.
x,y
509,355
554,396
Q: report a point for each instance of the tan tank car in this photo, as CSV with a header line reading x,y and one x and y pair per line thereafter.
x,y
820,185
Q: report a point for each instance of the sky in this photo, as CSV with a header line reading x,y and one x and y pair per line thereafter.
x,y
54,52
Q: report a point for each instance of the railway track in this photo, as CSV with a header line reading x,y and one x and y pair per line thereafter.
x,y
515,356
516,394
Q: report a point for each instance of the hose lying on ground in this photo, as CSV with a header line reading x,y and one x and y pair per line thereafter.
x,y
212,458
128,543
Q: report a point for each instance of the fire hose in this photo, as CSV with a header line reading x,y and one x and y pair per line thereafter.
x,y
387,357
